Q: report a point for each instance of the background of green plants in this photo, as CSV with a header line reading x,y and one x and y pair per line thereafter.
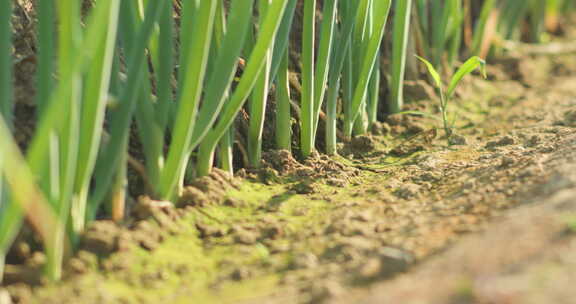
x,y
175,78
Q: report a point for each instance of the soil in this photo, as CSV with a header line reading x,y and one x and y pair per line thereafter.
x,y
399,217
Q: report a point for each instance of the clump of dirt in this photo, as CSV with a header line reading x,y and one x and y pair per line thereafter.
x,y
406,149
207,190
278,166
146,208
323,166
504,141
280,160
405,124
420,142
29,273
209,231
105,238
360,145
102,238
380,128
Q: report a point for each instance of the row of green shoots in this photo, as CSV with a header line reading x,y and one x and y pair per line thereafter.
x,y
167,74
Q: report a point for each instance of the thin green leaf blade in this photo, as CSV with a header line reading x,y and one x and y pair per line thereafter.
x,y
189,100
399,53
308,61
432,71
26,193
239,21
468,67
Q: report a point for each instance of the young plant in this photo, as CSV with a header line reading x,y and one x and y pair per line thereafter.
x,y
399,52
194,64
42,186
446,95
340,55
368,52
257,105
322,65
254,66
259,100
121,118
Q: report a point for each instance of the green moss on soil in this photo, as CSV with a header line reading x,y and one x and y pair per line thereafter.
x,y
187,267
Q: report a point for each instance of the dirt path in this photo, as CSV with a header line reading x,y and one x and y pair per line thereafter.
x,y
528,256
402,219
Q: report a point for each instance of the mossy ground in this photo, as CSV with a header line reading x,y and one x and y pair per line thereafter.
x,y
185,266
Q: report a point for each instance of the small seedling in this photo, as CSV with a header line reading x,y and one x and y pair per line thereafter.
x,y
446,95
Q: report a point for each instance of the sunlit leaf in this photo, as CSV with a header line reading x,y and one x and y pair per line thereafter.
x,y
468,67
